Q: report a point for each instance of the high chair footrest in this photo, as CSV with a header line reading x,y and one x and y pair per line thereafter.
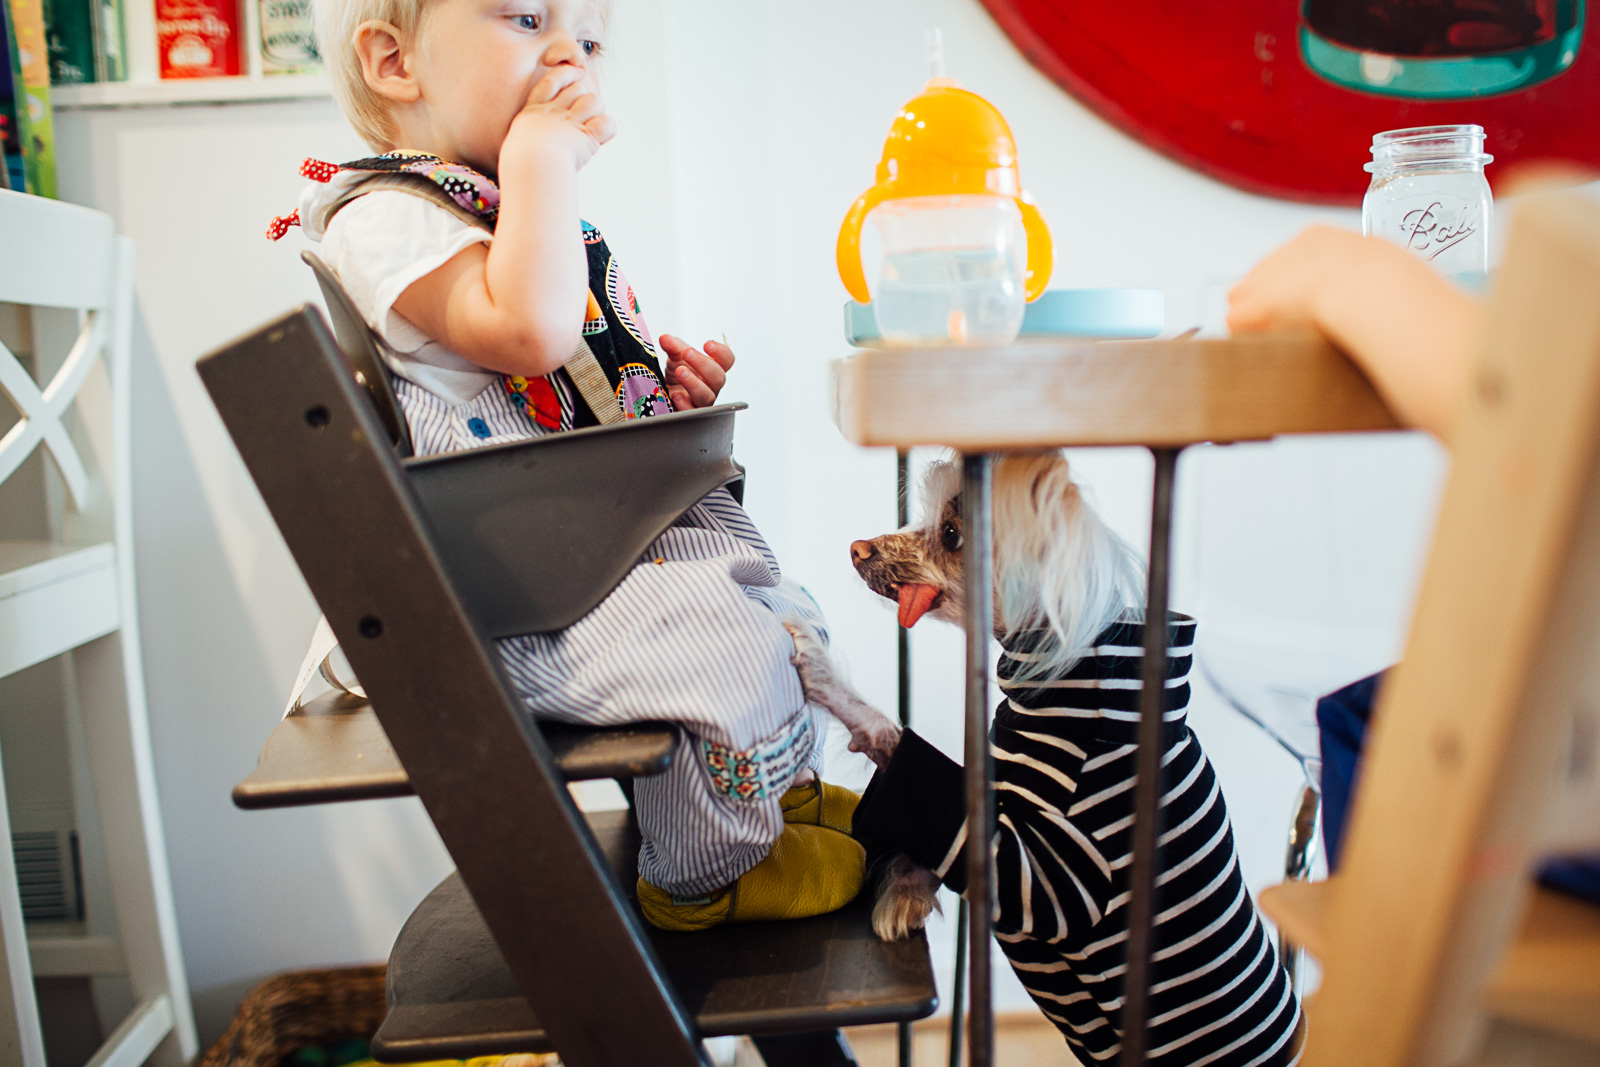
x,y
334,749
451,995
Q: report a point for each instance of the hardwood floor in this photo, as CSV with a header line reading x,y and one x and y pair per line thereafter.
x,y
1022,1039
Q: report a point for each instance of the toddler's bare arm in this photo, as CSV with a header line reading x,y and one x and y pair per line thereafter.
x,y
1408,328
517,306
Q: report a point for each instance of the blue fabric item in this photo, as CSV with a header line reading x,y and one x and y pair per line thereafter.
x,y
1342,720
1578,875
478,427
1343,717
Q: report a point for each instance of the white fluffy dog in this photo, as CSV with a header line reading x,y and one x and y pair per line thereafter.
x,y
1065,742
1058,568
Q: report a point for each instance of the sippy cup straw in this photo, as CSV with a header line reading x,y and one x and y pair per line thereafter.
x,y
935,45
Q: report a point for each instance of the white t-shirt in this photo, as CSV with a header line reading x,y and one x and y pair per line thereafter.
x,y
379,244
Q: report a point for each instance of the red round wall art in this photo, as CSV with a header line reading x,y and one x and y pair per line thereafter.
x,y
1282,97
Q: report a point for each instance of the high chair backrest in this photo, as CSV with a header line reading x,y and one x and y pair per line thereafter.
x,y
1488,730
360,350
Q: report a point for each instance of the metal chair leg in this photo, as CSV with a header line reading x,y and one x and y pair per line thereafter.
x,y
902,471
1147,786
1302,853
977,562
958,987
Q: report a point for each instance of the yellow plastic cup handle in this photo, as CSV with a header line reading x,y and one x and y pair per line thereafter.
x,y
1041,254
848,251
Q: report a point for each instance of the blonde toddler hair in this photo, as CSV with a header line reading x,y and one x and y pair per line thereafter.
x,y
337,21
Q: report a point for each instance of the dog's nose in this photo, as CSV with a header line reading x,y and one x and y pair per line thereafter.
x,y
862,550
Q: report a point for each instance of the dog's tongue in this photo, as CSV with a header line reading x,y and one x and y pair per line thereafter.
x,y
915,600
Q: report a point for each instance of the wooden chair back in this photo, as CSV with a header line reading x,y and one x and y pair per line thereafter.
x,y
1485,752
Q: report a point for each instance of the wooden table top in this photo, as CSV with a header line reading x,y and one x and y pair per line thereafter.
x,y
1054,393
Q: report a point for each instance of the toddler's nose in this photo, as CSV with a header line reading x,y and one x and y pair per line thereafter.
x,y
862,550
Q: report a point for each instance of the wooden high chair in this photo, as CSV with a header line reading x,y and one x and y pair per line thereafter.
x,y
536,942
1485,752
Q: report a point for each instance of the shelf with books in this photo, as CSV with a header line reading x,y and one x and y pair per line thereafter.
x,y
157,93
144,86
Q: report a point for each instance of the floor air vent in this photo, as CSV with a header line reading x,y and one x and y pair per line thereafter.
x,y
47,876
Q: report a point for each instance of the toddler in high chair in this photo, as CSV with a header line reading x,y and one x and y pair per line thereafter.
x,y
502,317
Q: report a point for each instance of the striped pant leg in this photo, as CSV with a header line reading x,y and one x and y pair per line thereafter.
x,y
713,813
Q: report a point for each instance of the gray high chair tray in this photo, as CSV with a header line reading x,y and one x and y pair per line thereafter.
x,y
534,534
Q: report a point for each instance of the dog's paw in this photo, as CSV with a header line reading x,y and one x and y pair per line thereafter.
x,y
874,735
907,895
808,646
871,732
810,657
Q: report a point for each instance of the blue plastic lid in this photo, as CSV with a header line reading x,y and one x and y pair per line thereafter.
x,y
1099,313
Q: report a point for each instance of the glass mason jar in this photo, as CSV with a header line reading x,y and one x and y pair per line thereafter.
x,y
1429,195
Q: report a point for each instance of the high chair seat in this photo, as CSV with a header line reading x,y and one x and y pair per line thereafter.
x,y
333,748
452,996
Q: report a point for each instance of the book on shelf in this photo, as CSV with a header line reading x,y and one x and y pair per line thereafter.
x,y
198,38
11,176
86,41
29,69
288,38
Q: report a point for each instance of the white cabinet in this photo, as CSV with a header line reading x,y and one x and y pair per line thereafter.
x,y
67,591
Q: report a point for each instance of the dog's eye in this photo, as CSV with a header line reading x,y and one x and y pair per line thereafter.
x,y
950,537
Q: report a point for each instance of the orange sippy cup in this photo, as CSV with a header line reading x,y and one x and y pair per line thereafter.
x,y
964,246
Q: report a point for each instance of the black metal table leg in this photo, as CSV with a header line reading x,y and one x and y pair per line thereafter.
x,y
902,471
1147,788
958,985
977,561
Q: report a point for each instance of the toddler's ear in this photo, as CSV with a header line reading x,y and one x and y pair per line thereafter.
x,y
385,65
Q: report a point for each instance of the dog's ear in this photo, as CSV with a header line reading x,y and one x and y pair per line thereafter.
x,y
1039,477
1038,480
940,485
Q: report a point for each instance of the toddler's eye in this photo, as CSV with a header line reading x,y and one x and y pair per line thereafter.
x,y
950,537
526,22
590,48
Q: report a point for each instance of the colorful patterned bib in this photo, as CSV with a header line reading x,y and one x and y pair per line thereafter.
x,y
613,329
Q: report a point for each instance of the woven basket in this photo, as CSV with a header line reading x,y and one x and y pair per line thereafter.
x,y
290,1011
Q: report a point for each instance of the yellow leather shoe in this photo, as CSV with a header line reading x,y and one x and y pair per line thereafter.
x,y
820,804
665,911
811,870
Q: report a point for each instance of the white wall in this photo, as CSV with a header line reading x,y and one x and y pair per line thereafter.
x,y
746,131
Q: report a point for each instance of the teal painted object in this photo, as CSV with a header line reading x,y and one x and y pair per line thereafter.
x,y
1104,314
1442,77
